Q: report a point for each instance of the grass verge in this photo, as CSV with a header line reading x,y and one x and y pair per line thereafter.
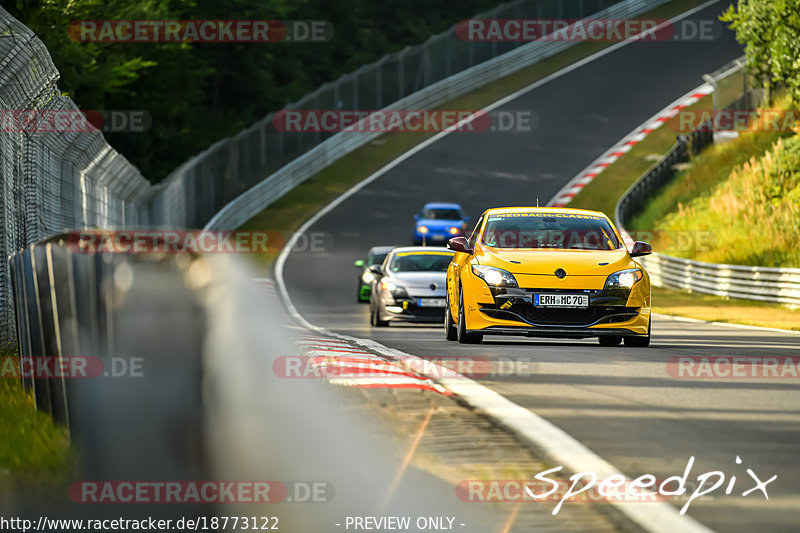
x,y
290,211
32,449
719,309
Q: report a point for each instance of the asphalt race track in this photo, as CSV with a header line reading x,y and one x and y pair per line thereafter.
x,y
620,402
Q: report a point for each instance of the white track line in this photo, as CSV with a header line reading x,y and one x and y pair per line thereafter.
x,y
727,324
557,445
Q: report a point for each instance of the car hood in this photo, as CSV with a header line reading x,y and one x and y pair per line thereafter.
x,y
419,279
439,224
545,262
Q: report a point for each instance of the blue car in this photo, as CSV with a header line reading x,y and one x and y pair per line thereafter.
x,y
439,222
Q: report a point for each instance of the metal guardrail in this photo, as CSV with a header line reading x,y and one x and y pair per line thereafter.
x,y
769,284
496,65
53,182
75,303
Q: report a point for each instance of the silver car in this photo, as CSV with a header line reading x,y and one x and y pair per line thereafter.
x,y
409,286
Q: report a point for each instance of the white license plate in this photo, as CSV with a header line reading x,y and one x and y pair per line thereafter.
x,y
561,300
431,302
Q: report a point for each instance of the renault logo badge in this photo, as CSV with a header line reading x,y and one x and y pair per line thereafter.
x,y
561,273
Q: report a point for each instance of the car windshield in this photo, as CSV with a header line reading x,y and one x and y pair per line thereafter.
x,y
420,262
376,258
441,214
564,231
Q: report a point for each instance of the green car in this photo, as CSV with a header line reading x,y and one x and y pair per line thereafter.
x,y
375,256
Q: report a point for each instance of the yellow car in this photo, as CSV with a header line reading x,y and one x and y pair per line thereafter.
x,y
547,272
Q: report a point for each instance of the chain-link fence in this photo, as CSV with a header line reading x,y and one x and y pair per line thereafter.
x,y
777,285
50,181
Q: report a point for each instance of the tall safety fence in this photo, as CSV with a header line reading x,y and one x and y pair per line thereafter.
x,y
238,177
769,284
50,181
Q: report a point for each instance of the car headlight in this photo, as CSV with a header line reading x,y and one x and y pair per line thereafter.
x,y
423,229
453,231
624,279
494,276
396,290
367,277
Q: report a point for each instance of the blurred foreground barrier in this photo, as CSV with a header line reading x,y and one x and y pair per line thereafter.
x,y
51,178
779,285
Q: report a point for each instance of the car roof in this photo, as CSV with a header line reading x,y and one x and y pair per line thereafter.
x,y
543,210
441,205
404,249
380,249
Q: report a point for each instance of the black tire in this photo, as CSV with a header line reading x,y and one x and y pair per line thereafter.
x,y
639,342
461,326
450,332
374,318
609,340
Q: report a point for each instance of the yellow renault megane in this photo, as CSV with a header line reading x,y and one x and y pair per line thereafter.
x,y
547,272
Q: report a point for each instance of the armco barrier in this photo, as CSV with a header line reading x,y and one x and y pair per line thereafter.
x,y
780,285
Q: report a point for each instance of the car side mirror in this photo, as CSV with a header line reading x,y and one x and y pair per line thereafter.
x,y
641,248
359,263
376,269
459,244
416,217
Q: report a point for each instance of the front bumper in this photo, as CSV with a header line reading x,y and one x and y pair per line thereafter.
x,y
407,310
509,311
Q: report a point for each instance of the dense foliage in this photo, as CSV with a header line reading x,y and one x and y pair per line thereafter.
x,y
744,195
199,93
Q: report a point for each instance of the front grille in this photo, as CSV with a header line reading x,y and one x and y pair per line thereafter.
x,y
554,316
